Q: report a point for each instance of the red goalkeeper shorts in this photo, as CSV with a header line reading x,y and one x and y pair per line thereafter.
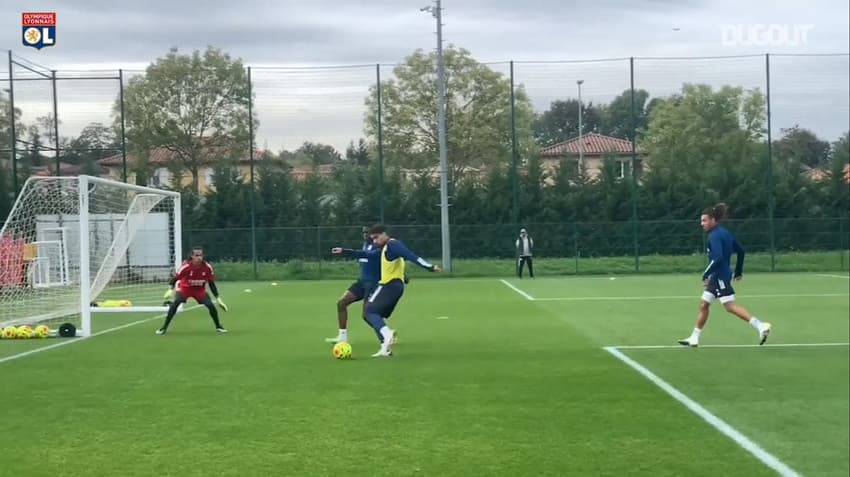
x,y
197,293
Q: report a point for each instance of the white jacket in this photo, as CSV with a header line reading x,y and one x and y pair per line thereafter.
x,y
524,247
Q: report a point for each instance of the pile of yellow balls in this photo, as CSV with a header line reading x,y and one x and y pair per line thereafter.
x,y
24,332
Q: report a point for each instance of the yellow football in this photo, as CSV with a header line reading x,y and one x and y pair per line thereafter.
x,y
41,331
342,350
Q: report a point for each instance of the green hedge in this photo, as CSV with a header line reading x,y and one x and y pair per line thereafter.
x,y
564,240
828,261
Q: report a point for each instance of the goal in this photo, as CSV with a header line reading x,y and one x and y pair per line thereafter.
x,y
74,246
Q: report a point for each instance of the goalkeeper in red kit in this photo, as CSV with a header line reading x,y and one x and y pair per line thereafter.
x,y
191,279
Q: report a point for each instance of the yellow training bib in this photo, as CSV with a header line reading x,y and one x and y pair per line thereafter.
x,y
390,269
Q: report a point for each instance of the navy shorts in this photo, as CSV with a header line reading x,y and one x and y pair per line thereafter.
x,y
384,299
361,289
719,289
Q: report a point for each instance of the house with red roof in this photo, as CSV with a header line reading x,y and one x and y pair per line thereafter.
x,y
592,148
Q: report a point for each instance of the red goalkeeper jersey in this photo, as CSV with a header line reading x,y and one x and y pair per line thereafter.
x,y
194,277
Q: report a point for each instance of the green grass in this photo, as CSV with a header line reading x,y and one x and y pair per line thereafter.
x,y
504,386
296,269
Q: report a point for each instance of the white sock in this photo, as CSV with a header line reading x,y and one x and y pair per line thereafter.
x,y
343,335
755,323
386,332
695,334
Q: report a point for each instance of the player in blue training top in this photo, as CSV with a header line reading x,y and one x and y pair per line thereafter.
x,y
370,272
717,277
386,296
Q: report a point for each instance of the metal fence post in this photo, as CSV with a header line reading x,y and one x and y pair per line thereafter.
x,y
842,237
514,157
253,183
55,123
770,185
380,146
14,138
319,249
634,165
575,245
123,126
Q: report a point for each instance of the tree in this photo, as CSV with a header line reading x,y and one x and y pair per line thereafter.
x,y
838,186
294,158
312,154
560,122
803,146
478,113
95,142
498,195
358,154
532,184
227,202
559,196
193,105
423,195
388,193
32,155
704,146
276,200
617,115
840,155
6,124
312,200
39,147
6,193
467,202
613,195
348,191
841,150
48,125
394,197
6,181
319,154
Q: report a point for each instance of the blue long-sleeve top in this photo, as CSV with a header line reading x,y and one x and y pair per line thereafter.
x,y
395,249
369,257
721,245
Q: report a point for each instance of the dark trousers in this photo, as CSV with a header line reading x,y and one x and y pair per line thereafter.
x,y
521,262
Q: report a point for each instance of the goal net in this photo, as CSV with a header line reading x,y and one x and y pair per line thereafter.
x,y
73,246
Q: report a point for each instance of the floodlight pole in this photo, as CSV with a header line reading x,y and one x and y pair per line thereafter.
x,y
437,13
580,141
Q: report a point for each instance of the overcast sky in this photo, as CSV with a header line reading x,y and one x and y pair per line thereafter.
x,y
327,105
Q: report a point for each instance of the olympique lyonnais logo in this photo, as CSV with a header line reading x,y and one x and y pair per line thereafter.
x,y
39,29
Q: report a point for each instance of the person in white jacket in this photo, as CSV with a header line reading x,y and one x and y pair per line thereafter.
x,y
524,251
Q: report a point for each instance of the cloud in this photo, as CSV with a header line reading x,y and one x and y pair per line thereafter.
x,y
327,105
330,31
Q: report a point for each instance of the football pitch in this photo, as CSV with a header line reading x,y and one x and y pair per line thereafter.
x,y
554,376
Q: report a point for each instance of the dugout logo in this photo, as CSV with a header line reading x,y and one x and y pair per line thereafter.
x,y
765,35
38,29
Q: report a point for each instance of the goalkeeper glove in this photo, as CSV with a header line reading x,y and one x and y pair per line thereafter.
x,y
169,294
221,303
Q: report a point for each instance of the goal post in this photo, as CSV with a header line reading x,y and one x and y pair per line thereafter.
x,y
75,246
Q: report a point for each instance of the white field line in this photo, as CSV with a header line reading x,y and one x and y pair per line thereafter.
x,y
68,341
524,294
777,345
762,455
685,297
828,275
